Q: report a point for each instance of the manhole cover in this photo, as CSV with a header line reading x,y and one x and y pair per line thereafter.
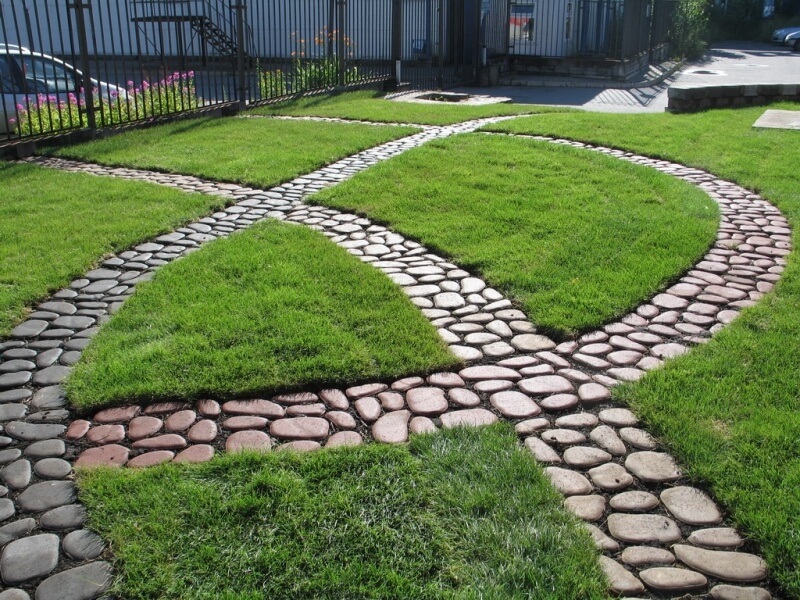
x,y
431,97
444,97
712,72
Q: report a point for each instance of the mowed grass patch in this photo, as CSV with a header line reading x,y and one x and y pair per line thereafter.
x,y
729,409
257,152
577,238
459,514
372,106
55,226
273,308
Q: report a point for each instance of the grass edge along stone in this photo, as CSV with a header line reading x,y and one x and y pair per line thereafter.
x,y
373,106
729,410
258,152
459,514
574,253
275,307
41,247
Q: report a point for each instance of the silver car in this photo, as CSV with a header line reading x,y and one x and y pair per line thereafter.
x,y
793,40
779,35
26,76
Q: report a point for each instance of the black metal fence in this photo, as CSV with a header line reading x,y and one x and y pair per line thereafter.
x,y
69,64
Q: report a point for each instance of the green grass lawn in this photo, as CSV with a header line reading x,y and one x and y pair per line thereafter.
x,y
55,226
730,409
577,237
269,309
372,106
460,514
257,152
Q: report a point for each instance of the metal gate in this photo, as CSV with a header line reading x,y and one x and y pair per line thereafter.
x,y
440,42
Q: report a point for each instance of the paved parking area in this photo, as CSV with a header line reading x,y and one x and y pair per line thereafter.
x,y
732,62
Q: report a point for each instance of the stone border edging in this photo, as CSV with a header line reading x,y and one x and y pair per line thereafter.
x,y
556,394
691,98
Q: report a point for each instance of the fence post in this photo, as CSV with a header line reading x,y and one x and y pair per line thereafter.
x,y
83,46
242,87
397,39
340,41
440,48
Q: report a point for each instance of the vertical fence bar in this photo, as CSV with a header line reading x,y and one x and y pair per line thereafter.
x,y
241,7
397,40
440,46
340,41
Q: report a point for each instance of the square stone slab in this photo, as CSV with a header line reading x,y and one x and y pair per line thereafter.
x,y
779,119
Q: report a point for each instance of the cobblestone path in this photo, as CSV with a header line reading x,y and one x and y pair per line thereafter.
x,y
658,534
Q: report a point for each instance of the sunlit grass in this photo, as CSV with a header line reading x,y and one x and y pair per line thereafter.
x,y
460,514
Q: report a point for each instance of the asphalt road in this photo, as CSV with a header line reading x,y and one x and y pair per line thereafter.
x,y
733,62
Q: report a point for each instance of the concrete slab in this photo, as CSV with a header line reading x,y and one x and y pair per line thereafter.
x,y
779,119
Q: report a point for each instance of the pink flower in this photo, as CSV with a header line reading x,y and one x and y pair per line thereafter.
x,y
12,121
190,73
145,85
130,84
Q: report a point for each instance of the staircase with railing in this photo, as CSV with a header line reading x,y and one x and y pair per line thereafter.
x,y
213,21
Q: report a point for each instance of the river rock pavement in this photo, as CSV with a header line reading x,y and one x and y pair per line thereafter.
x,y
659,535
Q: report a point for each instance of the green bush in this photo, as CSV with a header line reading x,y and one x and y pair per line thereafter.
x,y
689,31
317,69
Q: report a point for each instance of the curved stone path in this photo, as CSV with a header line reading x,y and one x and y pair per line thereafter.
x,y
657,532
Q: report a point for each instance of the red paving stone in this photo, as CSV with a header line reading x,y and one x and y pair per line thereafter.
x,y
150,459
112,455
195,454
122,414
248,440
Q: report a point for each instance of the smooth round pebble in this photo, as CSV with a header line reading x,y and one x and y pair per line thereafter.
x,y
52,468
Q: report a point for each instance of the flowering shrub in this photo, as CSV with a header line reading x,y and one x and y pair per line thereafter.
x,y
320,70
47,113
175,93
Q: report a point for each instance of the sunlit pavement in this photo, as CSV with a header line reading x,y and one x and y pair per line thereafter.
x,y
725,63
